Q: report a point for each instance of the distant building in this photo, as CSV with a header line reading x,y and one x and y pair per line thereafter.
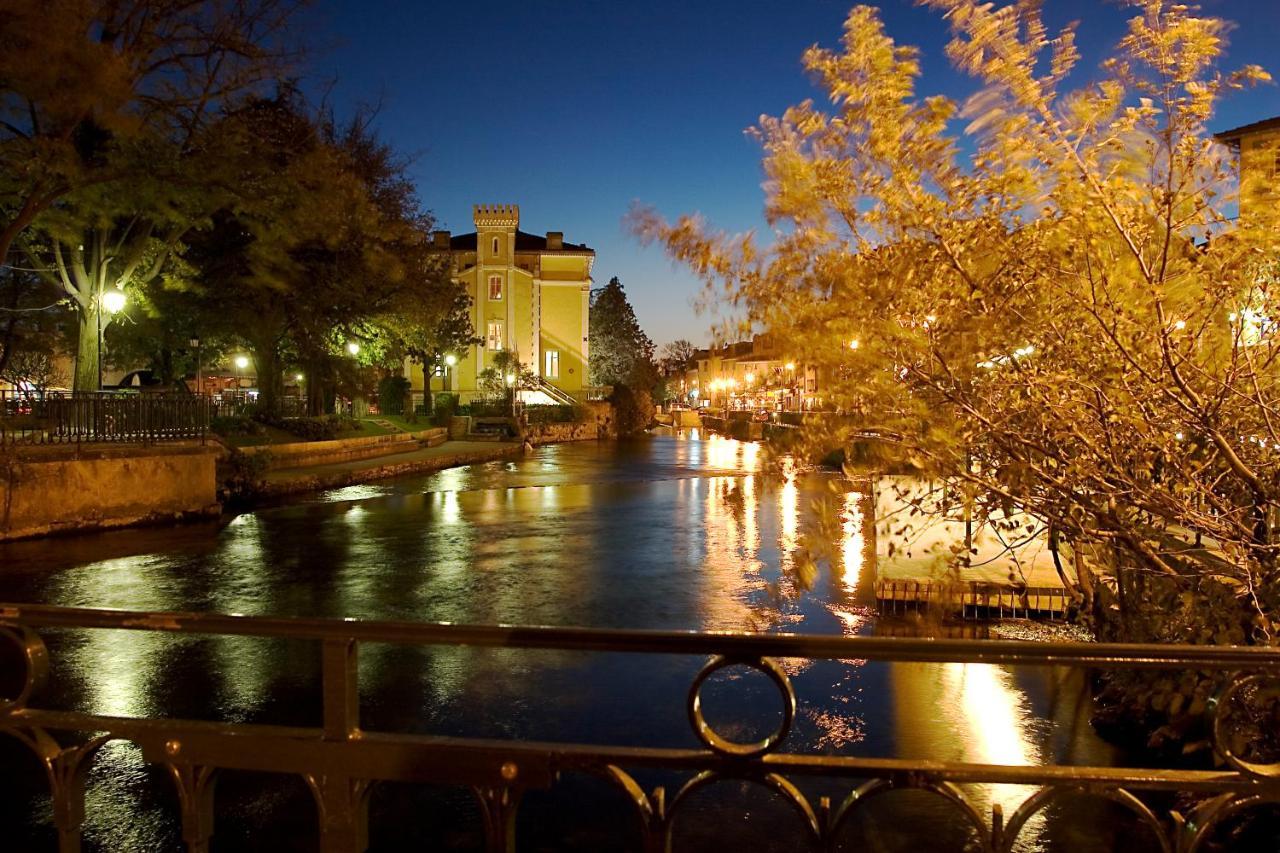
x,y
1258,145
754,374
530,294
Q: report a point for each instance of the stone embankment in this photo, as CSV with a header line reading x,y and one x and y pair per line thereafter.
x,y
54,489
73,488
279,482
304,454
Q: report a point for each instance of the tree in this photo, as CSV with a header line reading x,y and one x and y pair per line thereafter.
x,y
431,321
319,244
678,355
1042,320
97,98
31,315
620,353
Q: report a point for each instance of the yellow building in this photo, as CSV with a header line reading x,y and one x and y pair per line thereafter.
x,y
529,294
1258,145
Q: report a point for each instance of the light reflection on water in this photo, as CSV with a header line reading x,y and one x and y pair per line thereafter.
x,y
673,532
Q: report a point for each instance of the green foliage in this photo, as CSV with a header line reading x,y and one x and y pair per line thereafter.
x,y
621,353
242,474
551,414
633,409
1041,324
236,425
446,405
392,391
317,428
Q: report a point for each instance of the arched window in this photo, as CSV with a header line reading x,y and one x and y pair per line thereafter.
x,y
495,245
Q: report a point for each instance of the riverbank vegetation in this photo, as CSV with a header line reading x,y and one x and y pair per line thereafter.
x,y
173,196
1043,298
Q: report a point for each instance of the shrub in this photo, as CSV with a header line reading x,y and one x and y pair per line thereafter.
x,y
550,414
230,425
242,474
446,405
391,393
490,408
632,410
322,428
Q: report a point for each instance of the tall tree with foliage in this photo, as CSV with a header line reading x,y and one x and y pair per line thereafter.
x,y
431,321
98,98
1041,323
620,352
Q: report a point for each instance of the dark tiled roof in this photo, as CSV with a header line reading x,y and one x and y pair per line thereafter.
x,y
1232,136
525,242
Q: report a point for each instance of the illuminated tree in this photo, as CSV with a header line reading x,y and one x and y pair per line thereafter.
x,y
1055,316
97,98
620,352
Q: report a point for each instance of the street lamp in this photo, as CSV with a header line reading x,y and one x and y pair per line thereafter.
x,y
353,347
449,361
195,345
112,301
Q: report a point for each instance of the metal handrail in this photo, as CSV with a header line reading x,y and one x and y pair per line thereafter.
x,y
340,759
55,417
728,643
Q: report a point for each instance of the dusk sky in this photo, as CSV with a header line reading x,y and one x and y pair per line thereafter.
x,y
575,110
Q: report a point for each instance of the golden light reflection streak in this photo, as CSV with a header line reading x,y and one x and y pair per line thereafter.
x,y
853,545
750,524
789,512
993,726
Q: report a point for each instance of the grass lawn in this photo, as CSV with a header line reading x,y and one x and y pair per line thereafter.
x,y
369,427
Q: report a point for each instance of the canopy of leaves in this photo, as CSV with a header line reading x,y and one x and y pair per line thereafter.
x,y
620,352
1043,320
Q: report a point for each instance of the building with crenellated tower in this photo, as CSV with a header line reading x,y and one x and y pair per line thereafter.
x,y
530,294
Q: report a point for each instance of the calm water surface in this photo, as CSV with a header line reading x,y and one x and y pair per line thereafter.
x,y
675,532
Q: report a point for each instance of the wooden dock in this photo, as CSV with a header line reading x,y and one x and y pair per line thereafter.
x,y
972,599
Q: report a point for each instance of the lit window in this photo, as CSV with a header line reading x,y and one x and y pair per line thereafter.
x,y
493,340
552,366
495,287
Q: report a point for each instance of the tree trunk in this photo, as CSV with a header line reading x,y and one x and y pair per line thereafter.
x,y
426,390
87,354
270,378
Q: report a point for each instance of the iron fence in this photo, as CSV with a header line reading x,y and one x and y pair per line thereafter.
x,y
36,417
340,760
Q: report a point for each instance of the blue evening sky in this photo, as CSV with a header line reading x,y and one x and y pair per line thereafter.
x,y
576,109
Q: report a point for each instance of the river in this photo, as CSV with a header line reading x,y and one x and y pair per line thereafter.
x,y
671,531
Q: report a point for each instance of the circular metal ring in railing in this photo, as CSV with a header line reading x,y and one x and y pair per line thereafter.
x,y
1048,795
1222,808
775,782
1269,772
722,745
35,659
948,791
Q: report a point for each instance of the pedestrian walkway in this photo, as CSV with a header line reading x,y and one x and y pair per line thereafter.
x,y
286,481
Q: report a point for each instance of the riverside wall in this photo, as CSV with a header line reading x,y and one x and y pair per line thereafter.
x,y
49,490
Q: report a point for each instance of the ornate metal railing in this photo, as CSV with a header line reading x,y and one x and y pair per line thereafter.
x,y
340,760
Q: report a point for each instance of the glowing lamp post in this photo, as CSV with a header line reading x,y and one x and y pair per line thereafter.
x,y
450,361
113,302
353,348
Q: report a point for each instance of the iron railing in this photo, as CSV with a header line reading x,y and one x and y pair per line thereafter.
x,y
36,417
340,760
